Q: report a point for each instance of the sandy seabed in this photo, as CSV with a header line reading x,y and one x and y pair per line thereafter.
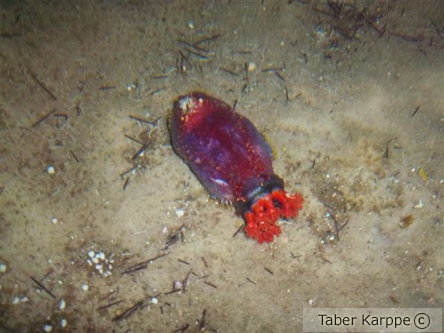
x,y
100,236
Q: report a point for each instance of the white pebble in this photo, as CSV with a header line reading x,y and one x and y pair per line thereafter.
x,y
50,170
62,305
95,260
24,299
102,255
47,328
15,300
154,300
3,268
91,253
180,212
419,205
99,267
84,287
178,284
54,220
63,322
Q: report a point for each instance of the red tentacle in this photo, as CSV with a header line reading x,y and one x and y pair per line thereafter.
x,y
261,219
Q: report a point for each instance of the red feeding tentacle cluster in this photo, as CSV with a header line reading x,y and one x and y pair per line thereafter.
x,y
265,212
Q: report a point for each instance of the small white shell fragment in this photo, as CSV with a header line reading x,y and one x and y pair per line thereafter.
x,y
91,253
54,220
179,212
178,284
63,322
95,260
62,305
84,287
99,267
50,169
102,255
165,230
47,328
15,300
419,205
24,299
154,300
3,268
